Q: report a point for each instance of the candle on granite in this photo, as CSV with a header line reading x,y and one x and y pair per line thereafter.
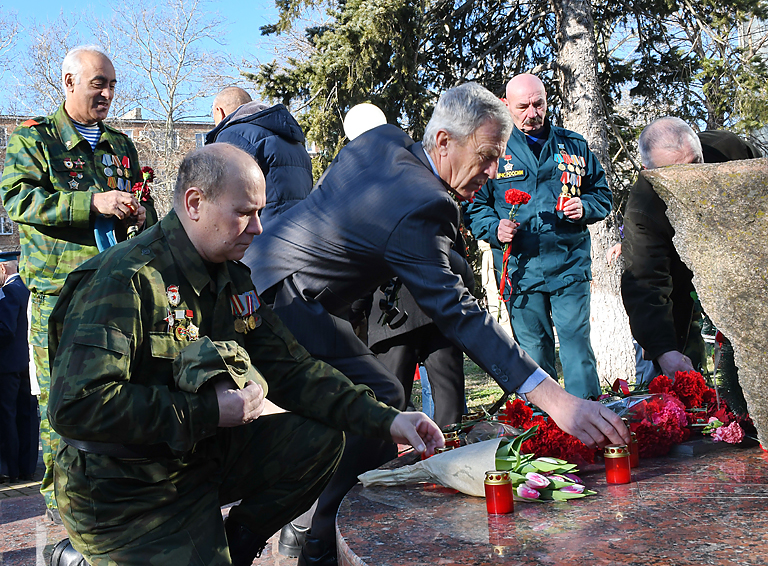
x,y
498,493
617,466
452,439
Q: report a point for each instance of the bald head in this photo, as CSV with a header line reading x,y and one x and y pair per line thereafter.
x,y
212,168
669,141
527,102
227,101
219,193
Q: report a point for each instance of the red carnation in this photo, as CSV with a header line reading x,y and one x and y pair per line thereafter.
x,y
148,174
689,386
515,197
517,414
660,384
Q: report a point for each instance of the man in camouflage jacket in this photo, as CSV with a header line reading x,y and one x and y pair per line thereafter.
x,y
55,185
145,338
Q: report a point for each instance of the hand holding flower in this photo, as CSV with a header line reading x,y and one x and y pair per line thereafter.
x,y
507,230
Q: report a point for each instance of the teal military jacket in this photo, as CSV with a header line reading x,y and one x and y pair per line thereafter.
x,y
126,315
48,181
549,251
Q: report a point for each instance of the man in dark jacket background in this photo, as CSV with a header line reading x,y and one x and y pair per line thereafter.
x,y
275,140
657,287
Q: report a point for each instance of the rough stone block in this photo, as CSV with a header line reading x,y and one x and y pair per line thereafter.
x,y
720,216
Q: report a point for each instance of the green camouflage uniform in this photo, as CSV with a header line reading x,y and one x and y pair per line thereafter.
x,y
49,177
126,371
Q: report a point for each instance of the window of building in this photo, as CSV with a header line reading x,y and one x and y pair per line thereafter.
x,y
159,140
199,139
3,137
6,226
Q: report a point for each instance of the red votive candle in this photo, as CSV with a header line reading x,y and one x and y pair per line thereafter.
x,y
617,466
452,439
634,452
561,200
498,493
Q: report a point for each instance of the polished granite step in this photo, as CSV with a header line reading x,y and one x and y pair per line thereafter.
x,y
710,508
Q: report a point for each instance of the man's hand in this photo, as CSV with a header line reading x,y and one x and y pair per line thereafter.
x,y
238,406
674,361
115,203
573,209
418,430
589,421
507,230
613,253
136,219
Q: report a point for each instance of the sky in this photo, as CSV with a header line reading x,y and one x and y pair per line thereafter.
x,y
243,22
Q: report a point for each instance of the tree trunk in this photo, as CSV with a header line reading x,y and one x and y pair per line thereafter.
x,y
583,112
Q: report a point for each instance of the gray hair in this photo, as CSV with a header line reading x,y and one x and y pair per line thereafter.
x,y
667,134
463,109
72,65
208,169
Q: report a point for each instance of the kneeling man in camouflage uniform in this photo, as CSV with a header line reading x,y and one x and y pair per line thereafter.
x,y
162,357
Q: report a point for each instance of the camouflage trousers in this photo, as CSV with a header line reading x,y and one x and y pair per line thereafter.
x,y
42,306
167,512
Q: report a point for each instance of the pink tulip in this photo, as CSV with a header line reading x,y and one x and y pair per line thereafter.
x,y
527,492
575,488
532,479
573,477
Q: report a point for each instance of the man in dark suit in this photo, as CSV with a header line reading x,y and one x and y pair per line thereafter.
x,y
387,207
18,433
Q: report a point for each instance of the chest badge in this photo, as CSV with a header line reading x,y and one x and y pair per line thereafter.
x,y
174,298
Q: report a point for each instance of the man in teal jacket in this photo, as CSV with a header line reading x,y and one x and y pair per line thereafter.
x,y
546,281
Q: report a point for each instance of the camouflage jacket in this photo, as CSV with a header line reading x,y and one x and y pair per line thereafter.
x,y
49,177
131,310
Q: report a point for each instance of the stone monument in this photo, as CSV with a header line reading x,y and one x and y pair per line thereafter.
x,y
720,216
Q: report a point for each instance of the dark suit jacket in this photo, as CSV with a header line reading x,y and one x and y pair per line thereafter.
x,y
656,285
14,346
380,212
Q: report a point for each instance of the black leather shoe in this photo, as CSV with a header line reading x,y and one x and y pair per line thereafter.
x,y
244,546
64,555
292,538
315,552
53,515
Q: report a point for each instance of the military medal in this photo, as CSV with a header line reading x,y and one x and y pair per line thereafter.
x,y
68,163
174,298
181,332
243,308
170,319
126,162
193,332
108,171
73,184
79,163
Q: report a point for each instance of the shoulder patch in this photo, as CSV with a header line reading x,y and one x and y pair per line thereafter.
x,y
31,122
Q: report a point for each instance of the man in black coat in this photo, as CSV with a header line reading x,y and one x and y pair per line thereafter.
x,y
18,407
657,287
386,208
275,140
